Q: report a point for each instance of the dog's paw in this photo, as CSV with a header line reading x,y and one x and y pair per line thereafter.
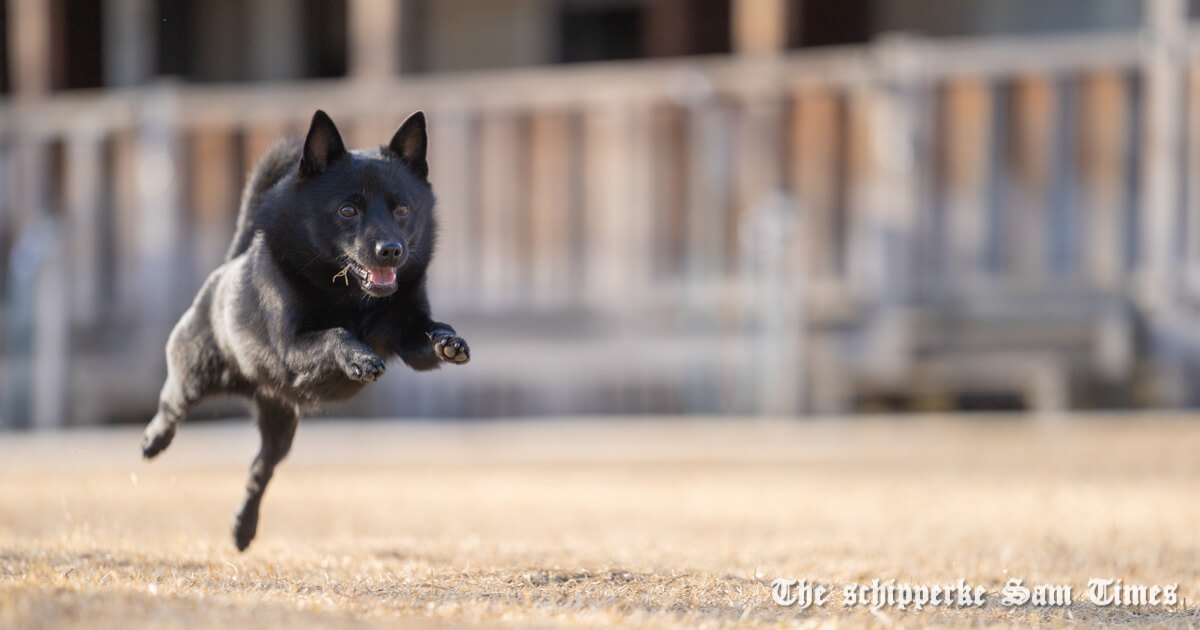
x,y
450,347
361,365
245,526
157,437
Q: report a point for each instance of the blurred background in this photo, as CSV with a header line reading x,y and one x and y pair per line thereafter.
x,y
773,207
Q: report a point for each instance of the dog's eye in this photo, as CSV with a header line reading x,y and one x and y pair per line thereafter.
x,y
402,210
348,211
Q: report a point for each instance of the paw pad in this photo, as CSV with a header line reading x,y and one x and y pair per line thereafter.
x,y
451,348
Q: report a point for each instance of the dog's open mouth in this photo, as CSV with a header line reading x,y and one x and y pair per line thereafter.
x,y
380,276
374,279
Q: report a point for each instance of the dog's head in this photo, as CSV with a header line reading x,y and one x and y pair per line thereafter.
x,y
367,213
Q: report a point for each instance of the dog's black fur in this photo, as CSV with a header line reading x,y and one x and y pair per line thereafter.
x,y
324,281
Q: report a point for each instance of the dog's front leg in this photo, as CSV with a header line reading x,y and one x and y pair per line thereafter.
x,y
428,344
446,344
316,355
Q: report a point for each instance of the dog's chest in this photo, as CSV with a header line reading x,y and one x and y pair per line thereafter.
x,y
380,329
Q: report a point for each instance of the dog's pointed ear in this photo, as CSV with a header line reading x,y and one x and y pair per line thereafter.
x,y
322,146
409,145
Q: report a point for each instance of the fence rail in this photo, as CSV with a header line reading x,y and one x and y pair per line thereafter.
x,y
816,231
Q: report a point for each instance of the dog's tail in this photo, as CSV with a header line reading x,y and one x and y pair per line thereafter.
x,y
275,164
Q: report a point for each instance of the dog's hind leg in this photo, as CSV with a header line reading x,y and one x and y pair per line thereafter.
x,y
173,405
193,368
277,424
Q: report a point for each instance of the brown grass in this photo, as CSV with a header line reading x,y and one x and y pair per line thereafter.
x,y
644,523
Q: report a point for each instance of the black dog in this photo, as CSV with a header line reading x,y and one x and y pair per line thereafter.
x,y
325,279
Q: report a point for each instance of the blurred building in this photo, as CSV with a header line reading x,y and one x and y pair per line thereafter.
x,y
703,206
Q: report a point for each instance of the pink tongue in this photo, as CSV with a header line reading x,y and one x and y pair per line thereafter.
x,y
382,276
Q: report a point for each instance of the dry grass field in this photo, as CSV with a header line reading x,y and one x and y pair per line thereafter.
x,y
645,523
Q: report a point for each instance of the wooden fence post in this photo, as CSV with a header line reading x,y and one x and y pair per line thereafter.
x,y
1028,210
891,215
706,202
550,206
772,364
967,150
1103,157
1193,184
215,187
500,210
454,171
51,332
159,222
84,184
1163,64
43,384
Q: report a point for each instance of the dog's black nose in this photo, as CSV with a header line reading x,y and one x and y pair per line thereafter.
x,y
390,252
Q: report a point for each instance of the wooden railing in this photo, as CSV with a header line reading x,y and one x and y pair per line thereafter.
x,y
802,232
